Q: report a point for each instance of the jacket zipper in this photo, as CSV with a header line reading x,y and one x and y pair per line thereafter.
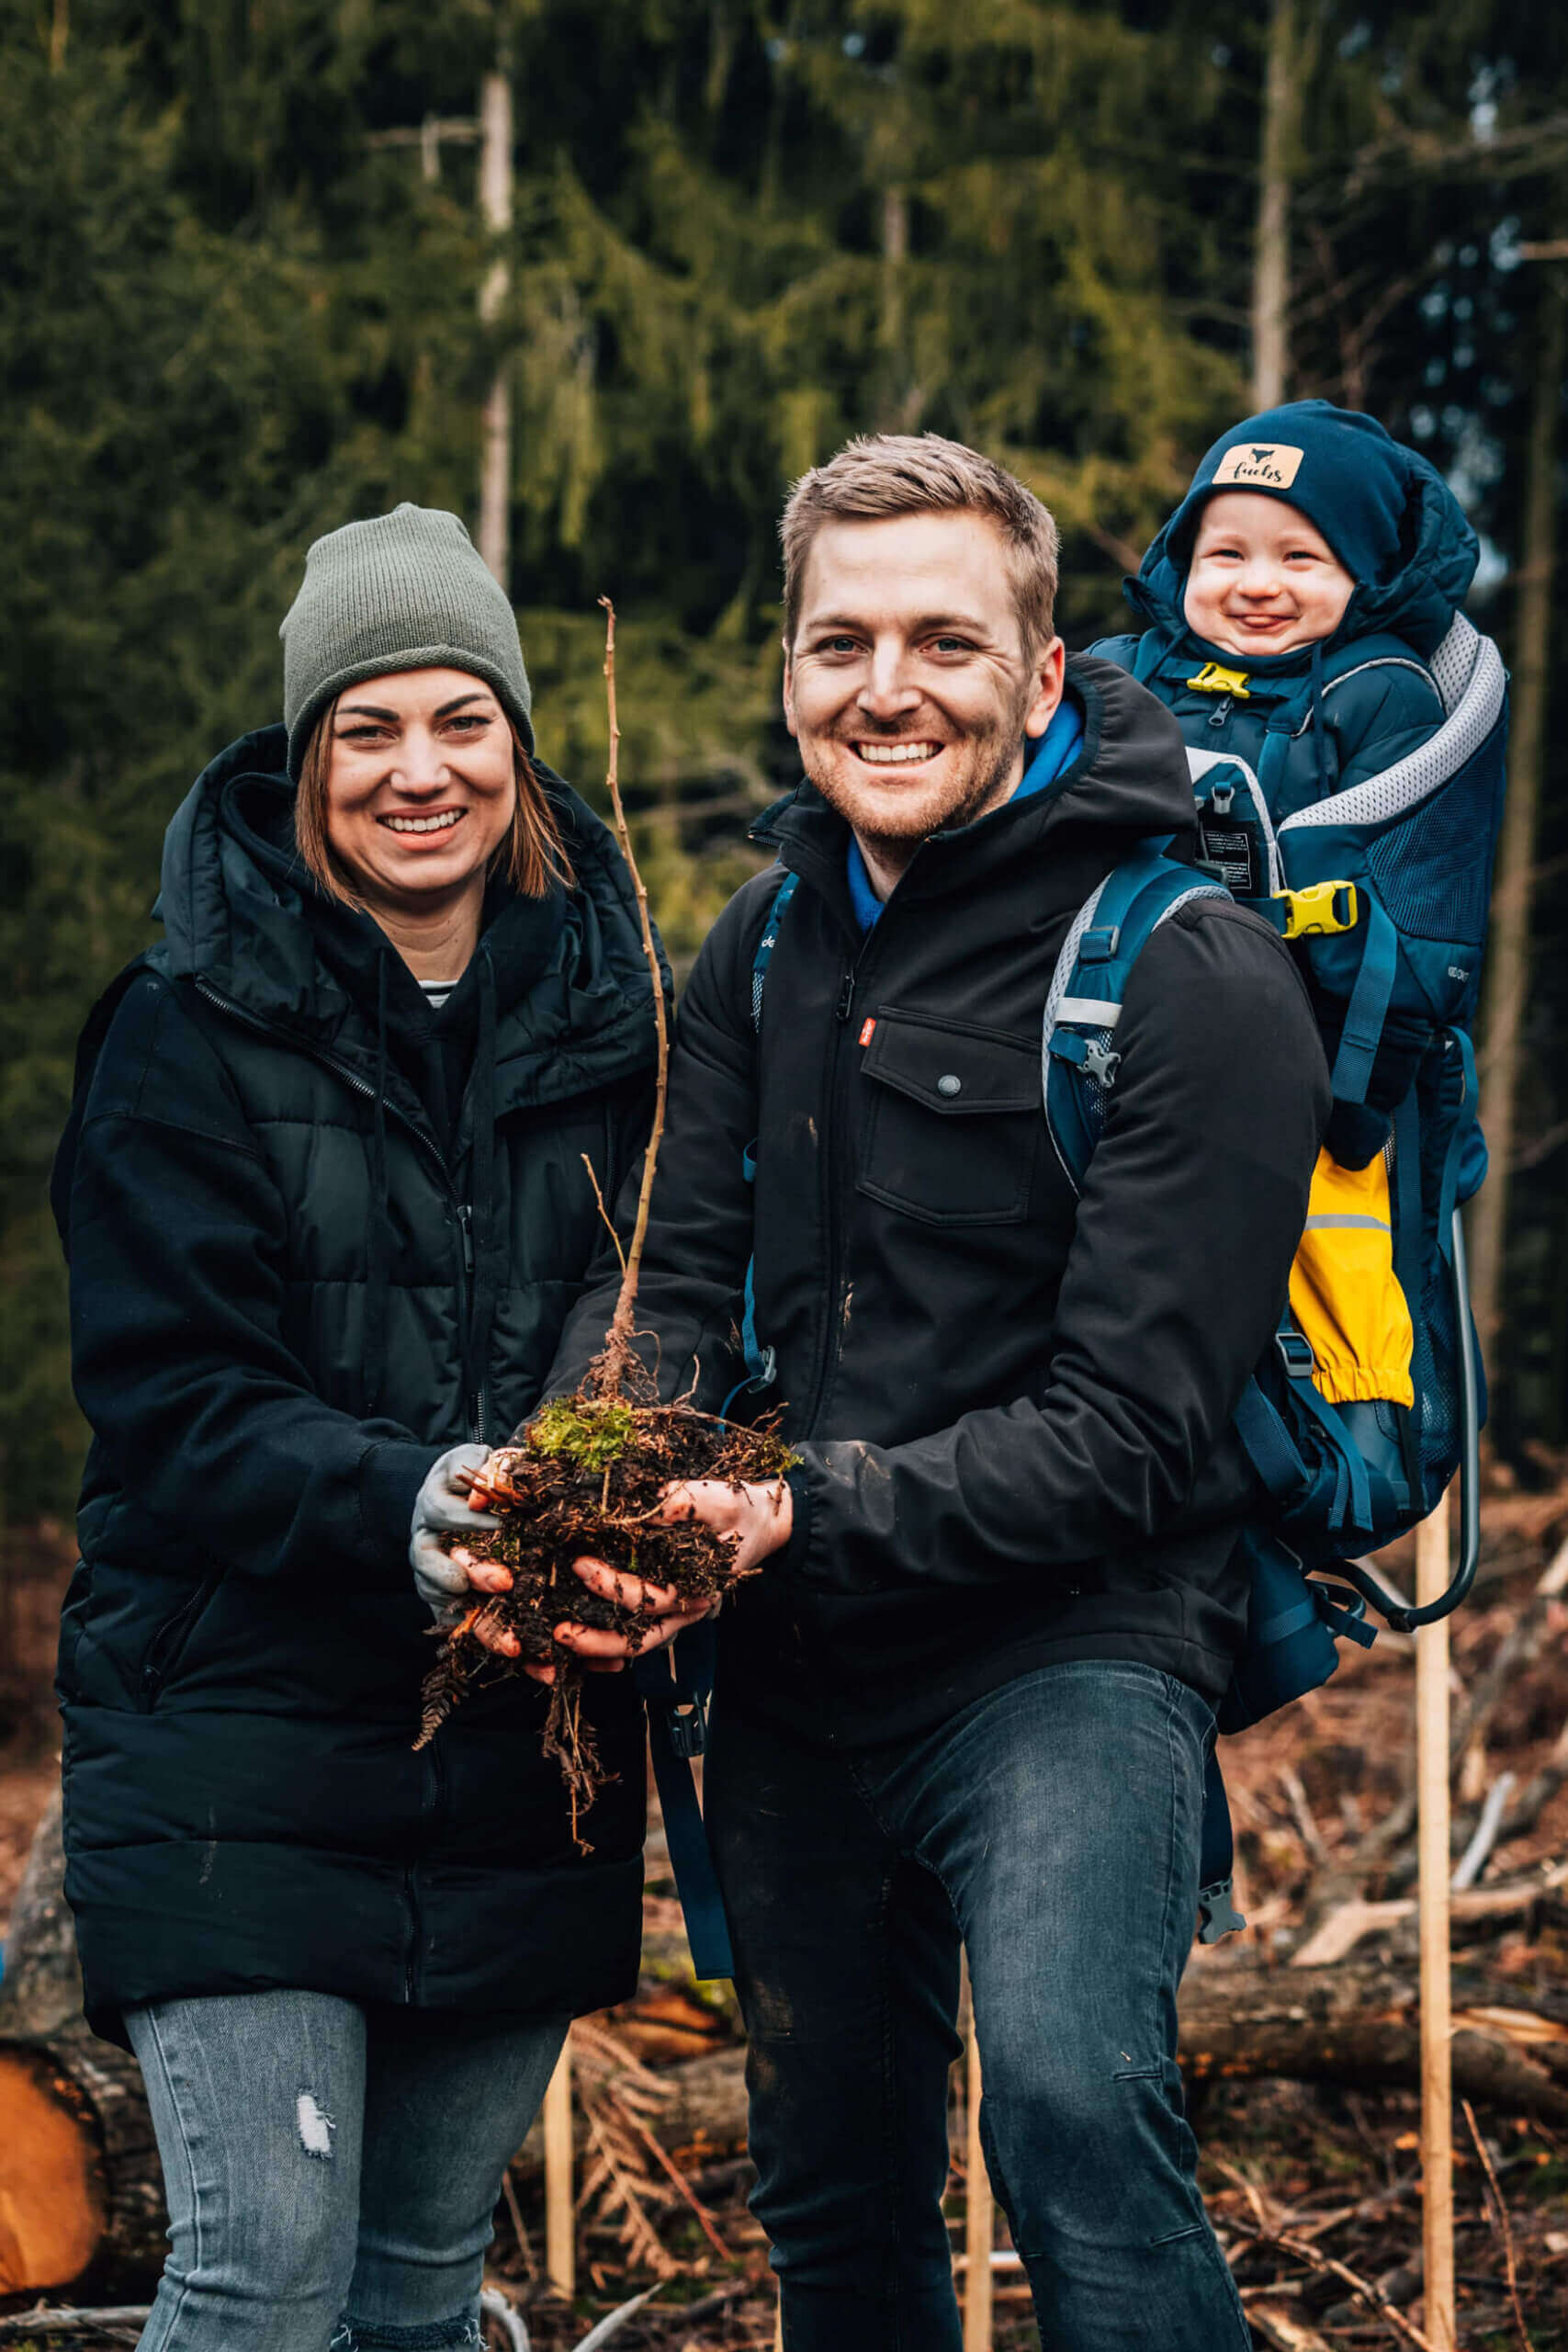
x,y
835,1108
478,1417
168,1643
462,1213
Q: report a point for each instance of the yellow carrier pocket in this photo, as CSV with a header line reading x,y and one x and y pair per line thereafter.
x,y
1344,1296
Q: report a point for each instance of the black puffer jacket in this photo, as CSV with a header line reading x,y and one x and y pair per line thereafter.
x,y
1014,1410
305,1258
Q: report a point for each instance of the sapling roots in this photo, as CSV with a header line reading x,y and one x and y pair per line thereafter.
x,y
585,1478
586,1475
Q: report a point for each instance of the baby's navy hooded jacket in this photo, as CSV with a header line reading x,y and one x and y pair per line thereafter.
x,y
1360,699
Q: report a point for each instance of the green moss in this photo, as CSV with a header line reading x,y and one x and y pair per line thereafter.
x,y
590,1435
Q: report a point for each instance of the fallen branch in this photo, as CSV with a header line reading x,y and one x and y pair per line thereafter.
x,y
72,2322
1362,2290
1501,2224
1339,1934
1473,1861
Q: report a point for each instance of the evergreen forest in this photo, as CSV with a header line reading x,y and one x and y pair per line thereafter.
x,y
264,271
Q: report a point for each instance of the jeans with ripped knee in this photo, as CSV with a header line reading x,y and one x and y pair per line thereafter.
x,y
1053,1830
331,2171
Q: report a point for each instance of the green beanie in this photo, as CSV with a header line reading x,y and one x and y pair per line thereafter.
x,y
405,590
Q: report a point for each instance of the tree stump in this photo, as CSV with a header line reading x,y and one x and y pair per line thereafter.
x,y
81,2189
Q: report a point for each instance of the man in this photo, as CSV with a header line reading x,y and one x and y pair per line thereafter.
x,y
969,1697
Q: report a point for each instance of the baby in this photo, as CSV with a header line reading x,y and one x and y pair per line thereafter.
x,y
1293,602
1308,532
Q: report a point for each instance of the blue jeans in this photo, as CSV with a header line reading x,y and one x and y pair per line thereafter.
x,y
331,2175
1052,1827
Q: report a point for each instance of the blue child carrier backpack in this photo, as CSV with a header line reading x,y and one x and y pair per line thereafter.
x,y
1371,1396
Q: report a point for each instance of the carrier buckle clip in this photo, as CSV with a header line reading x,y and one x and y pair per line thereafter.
x,y
1320,910
1214,678
1295,1354
1218,1912
688,1731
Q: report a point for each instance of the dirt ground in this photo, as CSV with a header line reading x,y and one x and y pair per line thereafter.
x,y
1314,2188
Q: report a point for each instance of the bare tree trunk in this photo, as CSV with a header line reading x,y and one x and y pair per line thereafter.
x,y
894,320
1509,950
495,199
1272,256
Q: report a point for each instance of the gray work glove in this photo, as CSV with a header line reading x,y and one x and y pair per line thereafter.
x,y
442,1509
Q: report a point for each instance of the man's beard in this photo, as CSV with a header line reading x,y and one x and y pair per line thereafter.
x,y
944,809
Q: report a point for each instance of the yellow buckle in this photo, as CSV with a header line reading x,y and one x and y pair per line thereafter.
x,y
1319,911
1213,678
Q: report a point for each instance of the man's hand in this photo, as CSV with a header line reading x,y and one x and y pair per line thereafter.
x,y
755,1520
601,1652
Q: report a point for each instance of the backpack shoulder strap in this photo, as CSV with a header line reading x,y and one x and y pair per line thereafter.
x,y
767,944
1083,1007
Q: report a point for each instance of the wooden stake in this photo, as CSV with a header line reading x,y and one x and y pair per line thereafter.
x,y
560,2232
979,2212
1432,1906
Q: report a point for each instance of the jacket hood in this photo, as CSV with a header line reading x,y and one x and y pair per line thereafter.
x,y
241,913
1129,778
1385,509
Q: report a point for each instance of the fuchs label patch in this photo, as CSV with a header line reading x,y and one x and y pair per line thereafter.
x,y
1270,465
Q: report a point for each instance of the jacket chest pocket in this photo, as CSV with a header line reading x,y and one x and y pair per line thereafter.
x,y
953,1121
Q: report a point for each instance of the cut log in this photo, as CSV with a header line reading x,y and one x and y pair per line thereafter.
x,y
1355,2024
1361,2026
81,2192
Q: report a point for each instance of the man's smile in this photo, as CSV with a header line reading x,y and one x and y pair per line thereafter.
x,y
890,755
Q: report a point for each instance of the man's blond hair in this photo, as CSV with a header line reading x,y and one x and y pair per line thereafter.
x,y
879,474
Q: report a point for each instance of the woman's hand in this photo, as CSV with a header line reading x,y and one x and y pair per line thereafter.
x,y
444,1580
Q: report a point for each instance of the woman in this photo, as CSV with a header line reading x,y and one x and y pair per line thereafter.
x,y
324,1199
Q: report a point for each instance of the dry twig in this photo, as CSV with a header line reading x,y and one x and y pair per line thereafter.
x,y
613,1364
1362,2289
1501,2224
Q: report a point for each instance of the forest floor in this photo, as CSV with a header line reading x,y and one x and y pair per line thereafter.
x,y
1313,2186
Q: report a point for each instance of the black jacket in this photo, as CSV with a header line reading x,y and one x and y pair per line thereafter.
x,y
1012,1410
305,1258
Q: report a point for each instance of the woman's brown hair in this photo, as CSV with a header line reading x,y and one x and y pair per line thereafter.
x,y
533,855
